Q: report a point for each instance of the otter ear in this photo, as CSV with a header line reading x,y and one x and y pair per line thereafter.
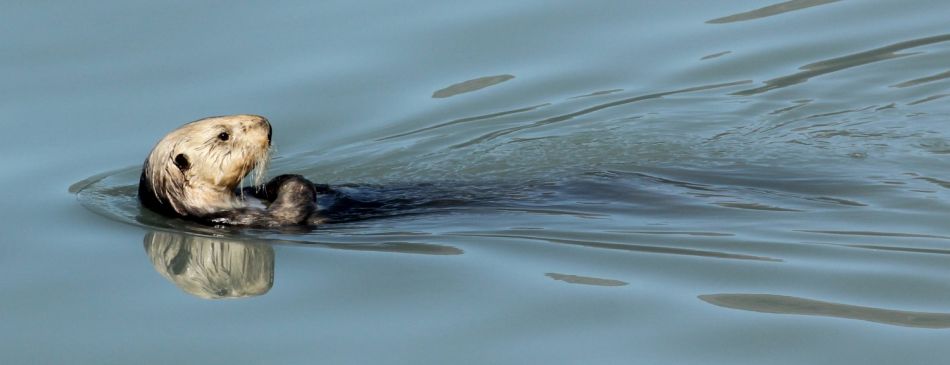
x,y
182,162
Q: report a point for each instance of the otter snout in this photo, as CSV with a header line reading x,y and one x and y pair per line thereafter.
x,y
264,124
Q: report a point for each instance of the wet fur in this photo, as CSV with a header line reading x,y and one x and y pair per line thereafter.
x,y
195,172
192,174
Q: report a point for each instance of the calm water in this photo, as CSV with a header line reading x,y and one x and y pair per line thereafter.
x,y
630,182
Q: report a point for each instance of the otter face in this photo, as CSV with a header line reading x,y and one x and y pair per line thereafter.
x,y
195,169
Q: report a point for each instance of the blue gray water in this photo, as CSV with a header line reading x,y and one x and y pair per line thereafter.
x,y
658,182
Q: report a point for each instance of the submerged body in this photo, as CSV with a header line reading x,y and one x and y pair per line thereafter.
x,y
195,172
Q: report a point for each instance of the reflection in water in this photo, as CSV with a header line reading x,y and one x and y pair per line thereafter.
x,y
770,10
217,268
471,85
212,268
584,280
782,304
844,62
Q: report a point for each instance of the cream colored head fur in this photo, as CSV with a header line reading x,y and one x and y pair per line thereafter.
x,y
195,169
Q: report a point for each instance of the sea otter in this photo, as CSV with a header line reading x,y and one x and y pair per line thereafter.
x,y
194,172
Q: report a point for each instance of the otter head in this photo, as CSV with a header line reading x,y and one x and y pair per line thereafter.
x,y
195,169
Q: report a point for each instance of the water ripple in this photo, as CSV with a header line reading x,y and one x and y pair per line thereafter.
x,y
465,120
877,234
715,55
569,116
924,80
585,280
927,99
770,10
783,304
470,85
628,247
844,62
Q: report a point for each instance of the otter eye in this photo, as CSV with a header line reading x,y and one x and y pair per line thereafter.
x,y
182,162
224,136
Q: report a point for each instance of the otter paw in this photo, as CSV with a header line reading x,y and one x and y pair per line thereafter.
x,y
295,199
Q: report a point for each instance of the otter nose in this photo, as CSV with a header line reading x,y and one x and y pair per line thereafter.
x,y
266,124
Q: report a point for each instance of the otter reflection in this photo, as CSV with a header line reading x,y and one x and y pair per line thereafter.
x,y
212,268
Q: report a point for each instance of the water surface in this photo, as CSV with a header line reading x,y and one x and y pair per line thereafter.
x,y
731,182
